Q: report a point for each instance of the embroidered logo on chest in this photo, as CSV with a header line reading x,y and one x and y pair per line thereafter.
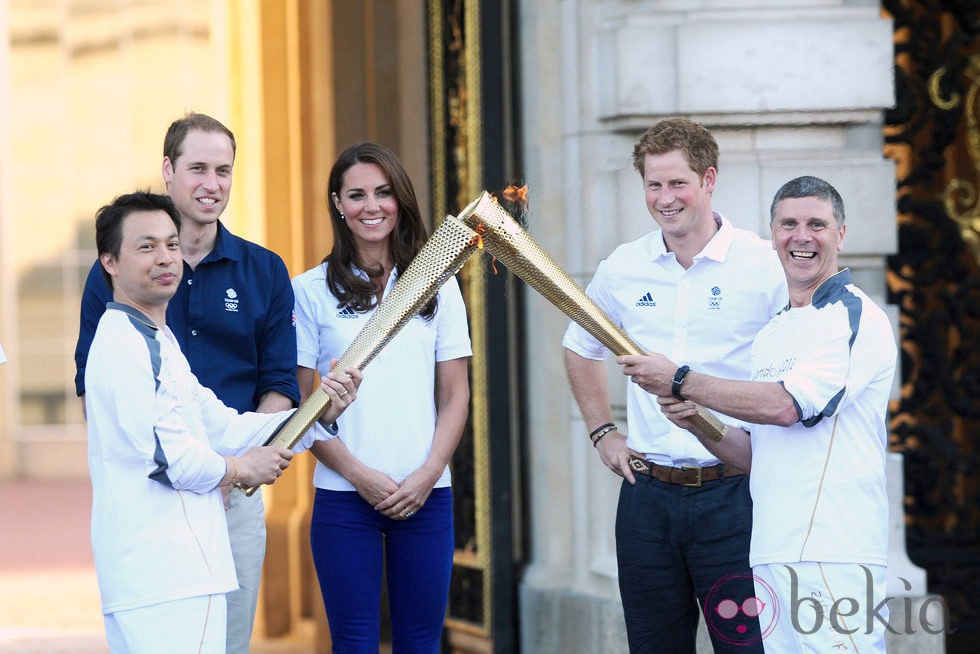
x,y
714,300
231,300
347,314
646,301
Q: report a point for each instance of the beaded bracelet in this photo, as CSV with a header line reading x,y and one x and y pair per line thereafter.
x,y
597,435
600,428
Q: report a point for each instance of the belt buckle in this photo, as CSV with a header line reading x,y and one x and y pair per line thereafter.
x,y
697,482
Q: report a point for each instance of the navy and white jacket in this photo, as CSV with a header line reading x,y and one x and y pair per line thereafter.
x,y
818,487
156,437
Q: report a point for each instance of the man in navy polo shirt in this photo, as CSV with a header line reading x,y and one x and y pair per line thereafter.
x,y
232,316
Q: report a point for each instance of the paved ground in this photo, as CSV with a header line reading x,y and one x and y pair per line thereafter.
x,y
49,597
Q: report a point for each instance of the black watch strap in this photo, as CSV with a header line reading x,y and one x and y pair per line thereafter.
x,y
675,384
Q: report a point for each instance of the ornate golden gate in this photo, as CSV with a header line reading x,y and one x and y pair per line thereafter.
x,y
933,133
472,150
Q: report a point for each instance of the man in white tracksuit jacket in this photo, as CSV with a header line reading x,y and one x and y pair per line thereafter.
x,y
161,445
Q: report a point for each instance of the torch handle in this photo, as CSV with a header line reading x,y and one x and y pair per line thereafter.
x,y
292,429
707,421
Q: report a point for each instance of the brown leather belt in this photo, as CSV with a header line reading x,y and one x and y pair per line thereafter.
x,y
686,475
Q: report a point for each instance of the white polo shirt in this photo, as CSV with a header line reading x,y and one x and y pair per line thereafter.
x,y
818,487
391,425
705,317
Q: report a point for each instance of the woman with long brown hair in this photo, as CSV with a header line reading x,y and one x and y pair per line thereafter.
x,y
383,502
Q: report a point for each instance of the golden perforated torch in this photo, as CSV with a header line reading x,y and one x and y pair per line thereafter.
x,y
508,242
439,259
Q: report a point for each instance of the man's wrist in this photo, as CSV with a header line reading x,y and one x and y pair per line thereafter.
x,y
231,471
331,427
677,381
597,434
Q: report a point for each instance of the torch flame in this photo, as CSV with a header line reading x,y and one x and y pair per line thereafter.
x,y
480,230
516,194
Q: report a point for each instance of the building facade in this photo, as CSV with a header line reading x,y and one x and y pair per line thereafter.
x,y
476,95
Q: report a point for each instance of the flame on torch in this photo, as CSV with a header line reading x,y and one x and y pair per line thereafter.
x,y
516,194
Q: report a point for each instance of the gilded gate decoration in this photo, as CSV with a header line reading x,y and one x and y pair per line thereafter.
x,y
456,173
932,133
468,144
961,197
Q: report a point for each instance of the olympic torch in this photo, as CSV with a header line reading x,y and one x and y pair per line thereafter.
x,y
506,240
439,259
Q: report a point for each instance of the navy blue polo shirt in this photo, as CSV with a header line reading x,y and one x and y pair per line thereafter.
x,y
233,318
